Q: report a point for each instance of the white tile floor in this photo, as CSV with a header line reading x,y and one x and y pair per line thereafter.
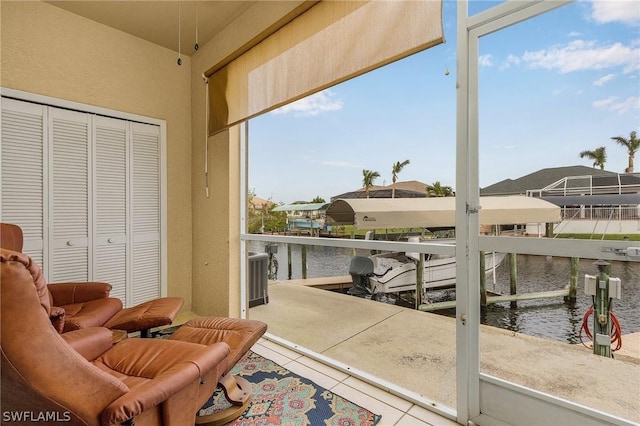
x,y
394,410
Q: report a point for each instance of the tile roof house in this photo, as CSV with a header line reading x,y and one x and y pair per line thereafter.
x,y
541,179
408,189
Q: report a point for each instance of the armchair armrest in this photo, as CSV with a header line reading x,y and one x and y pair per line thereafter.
x,y
167,382
89,342
70,293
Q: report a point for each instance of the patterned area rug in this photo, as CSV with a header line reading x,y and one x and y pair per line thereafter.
x,y
281,397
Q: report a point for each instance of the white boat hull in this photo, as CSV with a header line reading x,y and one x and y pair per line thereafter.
x,y
396,272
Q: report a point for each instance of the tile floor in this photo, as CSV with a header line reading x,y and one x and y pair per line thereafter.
x,y
395,411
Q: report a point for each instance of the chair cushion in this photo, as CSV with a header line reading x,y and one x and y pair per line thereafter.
x,y
144,316
239,334
90,314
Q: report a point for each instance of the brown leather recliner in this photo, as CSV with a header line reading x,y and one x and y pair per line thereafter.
x,y
80,377
87,304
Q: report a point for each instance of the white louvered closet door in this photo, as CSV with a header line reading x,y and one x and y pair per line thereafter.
x,y
85,189
69,183
111,137
145,175
23,190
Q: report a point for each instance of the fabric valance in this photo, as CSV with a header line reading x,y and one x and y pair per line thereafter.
x,y
330,43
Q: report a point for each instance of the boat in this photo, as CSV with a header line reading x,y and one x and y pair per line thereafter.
x,y
393,272
397,272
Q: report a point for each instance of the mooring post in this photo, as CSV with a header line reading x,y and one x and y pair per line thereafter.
x,y
549,230
289,260
419,280
483,280
353,237
304,262
513,277
573,282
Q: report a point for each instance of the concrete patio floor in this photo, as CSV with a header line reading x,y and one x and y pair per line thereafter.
x,y
416,350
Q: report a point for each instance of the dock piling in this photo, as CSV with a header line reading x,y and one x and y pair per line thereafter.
x,y
289,270
483,280
419,280
573,281
513,277
304,261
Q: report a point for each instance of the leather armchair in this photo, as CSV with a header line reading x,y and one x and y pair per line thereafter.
x,y
80,377
87,304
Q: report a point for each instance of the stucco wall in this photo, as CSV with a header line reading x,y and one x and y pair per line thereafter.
x,y
51,52
216,224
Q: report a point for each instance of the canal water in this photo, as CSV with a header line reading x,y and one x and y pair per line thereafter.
x,y
549,318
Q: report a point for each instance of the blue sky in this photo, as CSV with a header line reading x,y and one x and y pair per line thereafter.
x,y
551,87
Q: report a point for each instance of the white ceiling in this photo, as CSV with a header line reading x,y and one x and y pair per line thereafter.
x,y
157,21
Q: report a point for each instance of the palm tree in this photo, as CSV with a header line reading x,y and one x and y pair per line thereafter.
x,y
368,176
599,156
397,168
437,190
632,144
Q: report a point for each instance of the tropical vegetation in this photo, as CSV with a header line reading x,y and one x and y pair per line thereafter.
x,y
632,144
598,156
395,169
439,190
262,218
368,177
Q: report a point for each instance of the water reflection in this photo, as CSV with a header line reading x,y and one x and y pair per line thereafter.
x,y
548,318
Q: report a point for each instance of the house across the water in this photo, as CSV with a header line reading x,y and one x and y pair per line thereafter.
x,y
593,201
304,218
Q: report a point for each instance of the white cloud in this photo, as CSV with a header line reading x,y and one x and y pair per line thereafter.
x,y
627,11
604,79
485,60
574,34
511,60
312,105
579,55
613,104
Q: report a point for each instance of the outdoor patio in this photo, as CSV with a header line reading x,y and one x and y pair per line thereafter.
x,y
412,353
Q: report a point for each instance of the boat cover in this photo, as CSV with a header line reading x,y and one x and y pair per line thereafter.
x,y
380,213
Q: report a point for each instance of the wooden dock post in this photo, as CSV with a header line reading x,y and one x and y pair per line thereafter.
x,y
304,261
513,277
419,280
353,237
483,280
548,230
289,261
573,281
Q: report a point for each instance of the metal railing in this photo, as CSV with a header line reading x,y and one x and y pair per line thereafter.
x,y
600,213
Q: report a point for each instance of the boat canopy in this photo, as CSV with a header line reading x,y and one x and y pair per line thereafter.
x,y
437,212
301,207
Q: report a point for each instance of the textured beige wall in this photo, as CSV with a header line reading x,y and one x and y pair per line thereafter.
x,y
51,52
216,224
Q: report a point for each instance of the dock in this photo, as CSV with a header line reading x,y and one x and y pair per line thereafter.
x,y
325,283
417,350
344,282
